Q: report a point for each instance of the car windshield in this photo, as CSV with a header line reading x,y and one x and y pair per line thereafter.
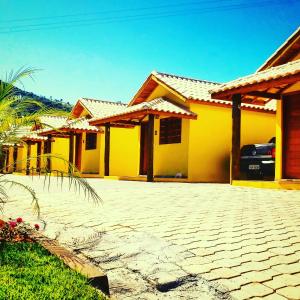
x,y
272,140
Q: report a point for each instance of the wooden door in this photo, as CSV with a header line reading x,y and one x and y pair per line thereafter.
x,y
291,137
144,149
78,151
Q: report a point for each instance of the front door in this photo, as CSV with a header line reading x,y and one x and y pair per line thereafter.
x,y
144,149
78,151
291,137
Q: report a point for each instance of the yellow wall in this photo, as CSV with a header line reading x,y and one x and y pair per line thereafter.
x,y
210,140
124,151
90,159
170,159
60,148
21,159
278,154
257,127
33,157
161,91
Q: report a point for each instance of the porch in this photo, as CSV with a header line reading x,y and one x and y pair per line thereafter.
x,y
172,129
75,147
281,83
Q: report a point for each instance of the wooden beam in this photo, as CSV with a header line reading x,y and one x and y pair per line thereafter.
x,y
236,137
150,147
48,147
107,149
15,156
7,160
264,85
139,114
128,122
28,158
38,159
265,95
71,151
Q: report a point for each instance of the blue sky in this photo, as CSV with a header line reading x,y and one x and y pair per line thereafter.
x,y
106,49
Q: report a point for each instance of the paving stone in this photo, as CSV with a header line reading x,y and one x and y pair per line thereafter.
x,y
240,295
283,281
260,276
250,266
221,273
281,259
256,290
273,296
199,269
260,257
287,269
188,233
292,293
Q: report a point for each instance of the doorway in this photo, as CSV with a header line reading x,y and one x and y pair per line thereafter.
x,y
144,149
291,137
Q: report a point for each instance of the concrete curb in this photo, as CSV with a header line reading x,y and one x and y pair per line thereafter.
x,y
96,277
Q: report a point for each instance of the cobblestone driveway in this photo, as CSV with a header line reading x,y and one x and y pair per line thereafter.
x,y
179,241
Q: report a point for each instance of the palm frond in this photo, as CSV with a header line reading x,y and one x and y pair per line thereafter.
x,y
28,189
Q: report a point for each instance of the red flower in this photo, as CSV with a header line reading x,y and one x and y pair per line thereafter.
x,y
12,224
37,226
19,220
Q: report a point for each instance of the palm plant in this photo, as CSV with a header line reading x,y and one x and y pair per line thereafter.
x,y
12,120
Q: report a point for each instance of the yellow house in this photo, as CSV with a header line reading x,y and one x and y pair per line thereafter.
x,y
16,154
278,78
180,132
82,144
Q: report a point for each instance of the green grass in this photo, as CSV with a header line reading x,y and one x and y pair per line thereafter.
x,y
29,272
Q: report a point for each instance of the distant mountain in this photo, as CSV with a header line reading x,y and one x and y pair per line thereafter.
x,y
48,102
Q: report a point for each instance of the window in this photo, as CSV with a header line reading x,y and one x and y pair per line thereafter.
x,y
170,131
91,141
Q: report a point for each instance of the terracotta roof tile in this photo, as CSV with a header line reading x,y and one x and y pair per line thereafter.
x,y
287,69
34,136
195,89
189,88
158,105
52,121
101,108
80,124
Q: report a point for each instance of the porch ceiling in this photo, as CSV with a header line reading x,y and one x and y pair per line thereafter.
x,y
134,114
261,87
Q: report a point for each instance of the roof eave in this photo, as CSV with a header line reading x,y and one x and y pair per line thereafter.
x,y
226,93
121,117
295,37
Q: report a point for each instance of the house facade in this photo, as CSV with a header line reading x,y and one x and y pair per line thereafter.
x,y
82,144
184,134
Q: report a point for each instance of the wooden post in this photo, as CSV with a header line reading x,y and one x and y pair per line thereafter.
x,y
28,158
15,156
236,137
48,146
107,149
2,161
38,160
71,151
6,161
150,148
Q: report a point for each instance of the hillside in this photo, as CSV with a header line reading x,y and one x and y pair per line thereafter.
x,y
49,102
